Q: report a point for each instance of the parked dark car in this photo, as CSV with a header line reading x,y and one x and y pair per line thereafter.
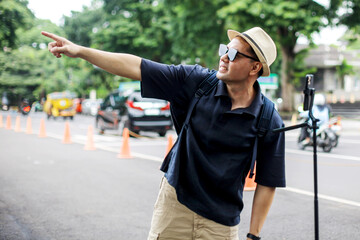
x,y
123,109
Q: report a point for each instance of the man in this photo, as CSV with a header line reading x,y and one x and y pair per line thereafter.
x,y
201,194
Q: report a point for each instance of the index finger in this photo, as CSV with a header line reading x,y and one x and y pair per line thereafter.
x,y
51,35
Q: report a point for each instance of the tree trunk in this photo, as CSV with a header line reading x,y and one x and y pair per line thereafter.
x,y
287,89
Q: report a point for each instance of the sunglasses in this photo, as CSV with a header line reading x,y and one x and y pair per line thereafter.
x,y
232,53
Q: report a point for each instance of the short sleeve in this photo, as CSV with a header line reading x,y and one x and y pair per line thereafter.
x,y
168,81
270,165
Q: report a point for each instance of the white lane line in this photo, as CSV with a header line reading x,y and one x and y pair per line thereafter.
x,y
341,141
107,148
326,155
322,196
349,141
135,154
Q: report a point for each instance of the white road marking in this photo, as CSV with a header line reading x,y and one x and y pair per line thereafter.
x,y
326,155
322,196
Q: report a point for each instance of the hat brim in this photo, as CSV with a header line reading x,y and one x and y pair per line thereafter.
x,y
233,34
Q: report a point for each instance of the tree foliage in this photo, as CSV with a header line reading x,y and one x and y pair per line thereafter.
x,y
343,70
14,14
196,31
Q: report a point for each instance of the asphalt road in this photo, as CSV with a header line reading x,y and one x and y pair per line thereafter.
x,y
51,190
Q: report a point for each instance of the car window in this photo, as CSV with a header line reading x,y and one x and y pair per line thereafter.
x,y
136,97
106,102
119,100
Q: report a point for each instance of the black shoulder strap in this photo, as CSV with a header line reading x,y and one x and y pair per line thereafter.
x,y
204,89
267,111
207,84
263,126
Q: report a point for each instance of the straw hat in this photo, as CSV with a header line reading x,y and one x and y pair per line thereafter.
x,y
264,47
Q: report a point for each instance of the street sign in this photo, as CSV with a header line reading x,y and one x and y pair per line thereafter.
x,y
270,82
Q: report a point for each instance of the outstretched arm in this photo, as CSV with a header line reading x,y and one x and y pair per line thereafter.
x,y
261,205
125,65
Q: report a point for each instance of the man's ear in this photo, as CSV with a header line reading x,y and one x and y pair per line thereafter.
x,y
257,66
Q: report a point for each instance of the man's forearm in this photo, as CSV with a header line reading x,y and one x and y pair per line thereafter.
x,y
125,65
261,205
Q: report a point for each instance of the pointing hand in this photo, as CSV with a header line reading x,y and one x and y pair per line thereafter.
x,y
61,46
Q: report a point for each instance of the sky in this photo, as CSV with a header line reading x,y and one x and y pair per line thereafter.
x,y
55,9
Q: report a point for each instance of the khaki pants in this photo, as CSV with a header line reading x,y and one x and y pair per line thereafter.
x,y
173,221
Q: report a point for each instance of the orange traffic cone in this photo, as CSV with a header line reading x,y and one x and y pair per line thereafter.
x,y
17,124
67,137
170,144
125,149
28,126
42,132
1,121
90,139
8,122
250,184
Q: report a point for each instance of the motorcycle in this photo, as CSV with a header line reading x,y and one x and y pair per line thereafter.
x,y
335,126
5,107
5,103
25,107
326,138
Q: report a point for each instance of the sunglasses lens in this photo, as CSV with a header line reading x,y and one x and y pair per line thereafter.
x,y
232,54
222,50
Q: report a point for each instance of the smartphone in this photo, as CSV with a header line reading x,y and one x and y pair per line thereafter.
x,y
307,100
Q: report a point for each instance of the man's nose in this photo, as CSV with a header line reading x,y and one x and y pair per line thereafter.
x,y
225,57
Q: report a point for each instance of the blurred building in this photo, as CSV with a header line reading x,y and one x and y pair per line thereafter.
x,y
326,59
340,94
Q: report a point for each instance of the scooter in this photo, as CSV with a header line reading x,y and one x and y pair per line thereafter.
x,y
326,138
5,107
335,127
25,107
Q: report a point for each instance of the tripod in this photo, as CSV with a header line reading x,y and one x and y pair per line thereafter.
x,y
308,104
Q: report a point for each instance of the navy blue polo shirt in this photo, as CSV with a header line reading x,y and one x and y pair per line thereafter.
x,y
211,157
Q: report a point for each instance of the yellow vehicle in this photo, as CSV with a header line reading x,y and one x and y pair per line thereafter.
x,y
60,104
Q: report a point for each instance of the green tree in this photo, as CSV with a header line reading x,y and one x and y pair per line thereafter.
x,y
350,17
137,27
349,14
14,14
80,28
30,71
196,31
343,70
285,21
31,36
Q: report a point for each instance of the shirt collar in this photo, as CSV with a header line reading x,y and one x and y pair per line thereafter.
x,y
253,109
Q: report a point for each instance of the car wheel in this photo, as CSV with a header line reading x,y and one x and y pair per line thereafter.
x,y
162,133
327,144
300,143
